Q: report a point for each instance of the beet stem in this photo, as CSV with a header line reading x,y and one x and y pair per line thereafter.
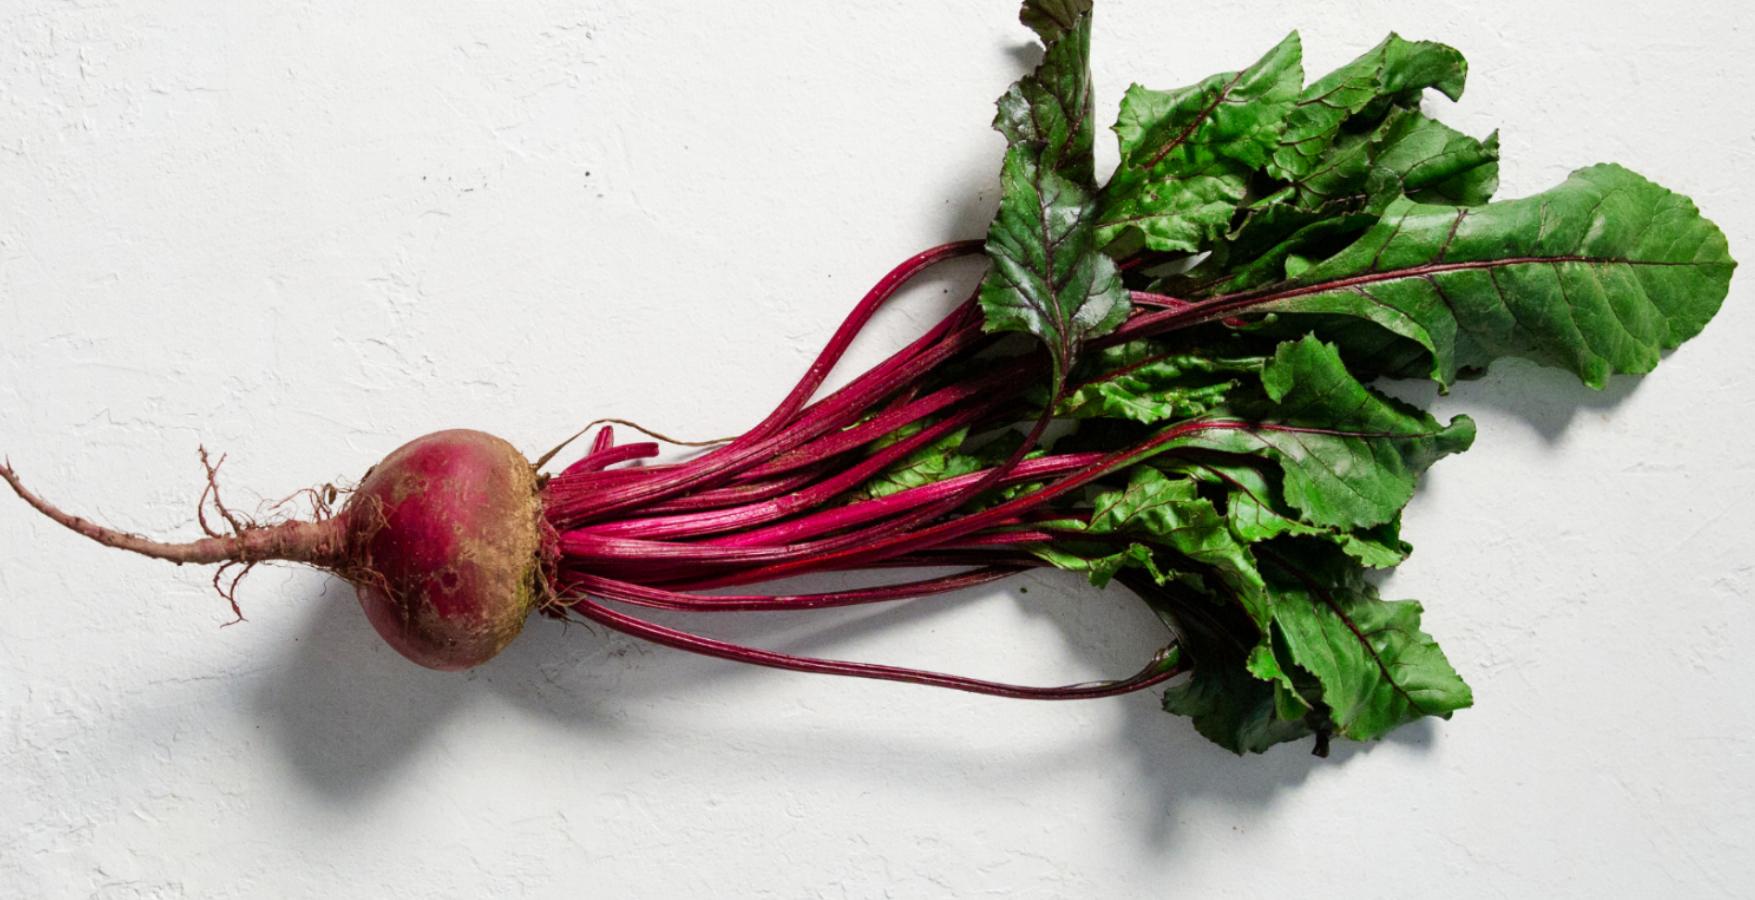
x,y
992,389
1159,301
598,460
585,498
682,601
1165,665
795,502
895,539
841,517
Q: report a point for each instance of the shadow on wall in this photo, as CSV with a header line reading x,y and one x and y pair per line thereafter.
x,y
351,716
1545,399
346,710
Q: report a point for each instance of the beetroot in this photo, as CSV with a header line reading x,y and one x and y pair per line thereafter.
x,y
445,545
1203,332
443,541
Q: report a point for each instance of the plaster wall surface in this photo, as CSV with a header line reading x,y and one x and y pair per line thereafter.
x,y
303,233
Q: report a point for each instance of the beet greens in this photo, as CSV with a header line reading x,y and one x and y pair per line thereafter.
x,y
1210,318
1200,333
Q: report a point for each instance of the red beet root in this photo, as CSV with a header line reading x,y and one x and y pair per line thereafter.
x,y
444,542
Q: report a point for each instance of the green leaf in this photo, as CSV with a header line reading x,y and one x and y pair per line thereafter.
x,y
1052,18
1233,708
1100,563
1187,154
1376,668
1598,275
941,459
1428,161
1278,236
1253,506
1345,193
1141,381
1381,547
1052,109
1169,513
1407,155
1047,277
1231,703
1396,70
1310,240
1256,512
1335,659
1349,457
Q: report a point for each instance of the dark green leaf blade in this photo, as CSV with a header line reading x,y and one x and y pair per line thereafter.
x,y
1233,708
1052,18
1230,703
1376,668
1409,155
1349,457
1142,381
1051,109
1345,193
1187,154
1395,70
1047,277
1169,513
1256,512
1598,275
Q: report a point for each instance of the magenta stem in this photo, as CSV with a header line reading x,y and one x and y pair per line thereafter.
x,y
733,494
853,514
797,558
601,459
580,541
1159,301
1002,384
953,334
1164,666
754,509
676,600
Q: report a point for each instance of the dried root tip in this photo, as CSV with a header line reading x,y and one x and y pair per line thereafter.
x,y
321,498
229,591
317,543
212,491
546,457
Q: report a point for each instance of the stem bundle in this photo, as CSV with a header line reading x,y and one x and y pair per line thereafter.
x,y
772,503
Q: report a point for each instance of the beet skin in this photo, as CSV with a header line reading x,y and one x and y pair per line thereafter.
x,y
444,543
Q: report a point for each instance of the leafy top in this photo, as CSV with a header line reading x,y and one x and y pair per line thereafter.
x,y
1052,18
1048,277
1215,316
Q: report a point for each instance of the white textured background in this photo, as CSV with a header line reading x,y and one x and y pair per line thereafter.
x,y
301,233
